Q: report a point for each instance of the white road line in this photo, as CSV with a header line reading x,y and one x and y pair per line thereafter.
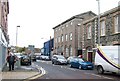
x,y
107,77
96,75
43,72
71,69
47,78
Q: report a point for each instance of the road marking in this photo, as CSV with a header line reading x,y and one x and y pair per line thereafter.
x,y
71,69
107,77
43,72
96,75
47,78
64,67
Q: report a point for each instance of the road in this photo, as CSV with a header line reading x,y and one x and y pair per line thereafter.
x,y
65,72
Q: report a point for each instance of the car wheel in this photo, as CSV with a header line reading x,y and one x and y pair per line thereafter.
x,y
100,70
52,62
55,63
30,63
80,67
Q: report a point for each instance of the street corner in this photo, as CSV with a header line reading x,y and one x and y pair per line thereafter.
x,y
20,73
40,74
17,75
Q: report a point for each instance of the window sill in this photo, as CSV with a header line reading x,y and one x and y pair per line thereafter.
x,y
89,38
102,35
115,33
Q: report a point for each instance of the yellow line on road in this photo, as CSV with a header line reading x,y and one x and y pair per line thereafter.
x,y
37,76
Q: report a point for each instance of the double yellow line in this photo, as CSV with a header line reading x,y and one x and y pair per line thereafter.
x,y
43,72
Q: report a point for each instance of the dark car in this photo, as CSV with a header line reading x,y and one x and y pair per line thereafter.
x,y
58,59
33,58
25,60
81,64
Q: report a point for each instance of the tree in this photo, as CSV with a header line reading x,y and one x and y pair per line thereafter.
x,y
21,50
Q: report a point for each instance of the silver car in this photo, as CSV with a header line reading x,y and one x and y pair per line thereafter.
x,y
58,59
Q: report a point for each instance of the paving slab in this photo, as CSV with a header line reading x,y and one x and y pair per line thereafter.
x,y
23,72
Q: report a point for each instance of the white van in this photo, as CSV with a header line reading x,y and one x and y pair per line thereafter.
x,y
107,59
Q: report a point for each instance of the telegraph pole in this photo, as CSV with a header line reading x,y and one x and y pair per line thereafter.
x,y
98,22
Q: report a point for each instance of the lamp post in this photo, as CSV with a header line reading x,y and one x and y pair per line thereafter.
x,y
16,35
98,22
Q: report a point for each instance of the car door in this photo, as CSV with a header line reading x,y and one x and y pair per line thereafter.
x,y
75,63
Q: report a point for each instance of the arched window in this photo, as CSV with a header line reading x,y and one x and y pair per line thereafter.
x,y
66,51
70,50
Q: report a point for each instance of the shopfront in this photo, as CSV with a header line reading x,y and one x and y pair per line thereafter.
x,y
3,50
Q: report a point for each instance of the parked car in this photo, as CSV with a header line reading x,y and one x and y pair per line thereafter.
x,y
33,58
81,64
18,55
69,59
43,57
46,58
58,59
38,57
25,60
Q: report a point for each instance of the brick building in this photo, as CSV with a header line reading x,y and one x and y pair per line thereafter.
x,y
67,34
109,32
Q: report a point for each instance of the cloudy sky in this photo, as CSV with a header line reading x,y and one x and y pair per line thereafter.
x,y
36,18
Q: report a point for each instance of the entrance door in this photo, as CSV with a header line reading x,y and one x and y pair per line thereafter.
x,y
79,52
90,56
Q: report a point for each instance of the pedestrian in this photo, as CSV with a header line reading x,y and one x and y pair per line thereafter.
x,y
11,59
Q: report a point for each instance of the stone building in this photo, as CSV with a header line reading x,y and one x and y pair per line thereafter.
x,y
67,34
4,37
109,32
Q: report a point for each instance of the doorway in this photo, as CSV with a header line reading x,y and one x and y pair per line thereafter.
x,y
90,56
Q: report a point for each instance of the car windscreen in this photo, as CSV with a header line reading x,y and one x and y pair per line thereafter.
x,y
25,57
80,60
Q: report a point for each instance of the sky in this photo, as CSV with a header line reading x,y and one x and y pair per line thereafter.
x,y
36,18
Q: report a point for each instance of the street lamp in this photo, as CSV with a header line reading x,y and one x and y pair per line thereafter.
x,y
17,33
98,22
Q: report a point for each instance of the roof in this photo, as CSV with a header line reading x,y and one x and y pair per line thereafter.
x,y
104,14
79,16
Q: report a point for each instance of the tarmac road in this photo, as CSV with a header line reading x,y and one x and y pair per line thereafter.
x,y
65,72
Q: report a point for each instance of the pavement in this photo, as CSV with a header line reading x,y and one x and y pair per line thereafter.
x,y
20,73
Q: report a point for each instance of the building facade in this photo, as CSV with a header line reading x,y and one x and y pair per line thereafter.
x,y
48,47
4,37
109,32
67,34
